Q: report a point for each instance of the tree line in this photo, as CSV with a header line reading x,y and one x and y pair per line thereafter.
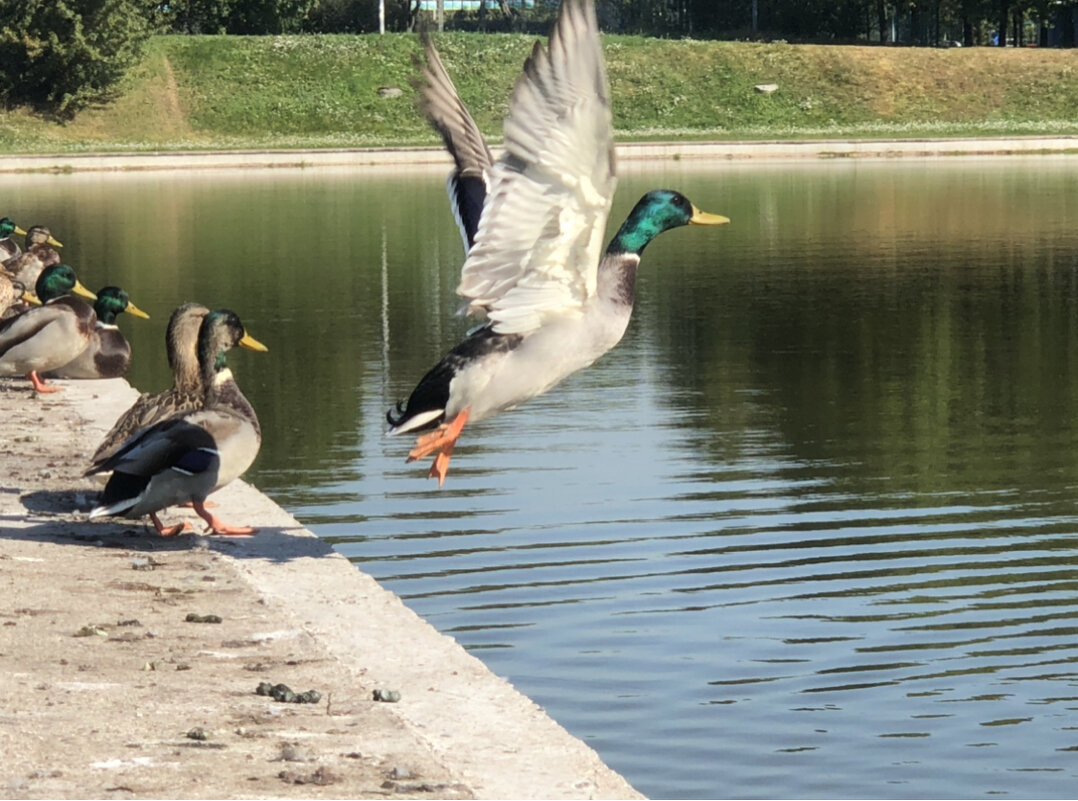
x,y
59,55
912,22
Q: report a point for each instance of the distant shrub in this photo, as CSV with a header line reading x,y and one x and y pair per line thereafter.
x,y
59,55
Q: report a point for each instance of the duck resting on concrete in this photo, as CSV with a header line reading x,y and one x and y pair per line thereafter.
x,y
49,336
9,248
189,456
185,394
533,223
108,353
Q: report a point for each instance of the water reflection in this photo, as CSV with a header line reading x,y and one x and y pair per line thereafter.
x,y
808,531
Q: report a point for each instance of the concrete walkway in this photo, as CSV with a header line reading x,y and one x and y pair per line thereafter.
x,y
411,157
112,690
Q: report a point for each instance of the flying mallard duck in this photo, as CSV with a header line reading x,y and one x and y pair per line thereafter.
x,y
181,345
533,268
107,354
48,337
9,248
187,457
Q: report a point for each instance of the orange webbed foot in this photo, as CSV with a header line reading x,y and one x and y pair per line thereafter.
x,y
168,531
40,385
443,440
216,526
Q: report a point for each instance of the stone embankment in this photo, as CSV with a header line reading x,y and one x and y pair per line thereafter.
x,y
131,665
404,158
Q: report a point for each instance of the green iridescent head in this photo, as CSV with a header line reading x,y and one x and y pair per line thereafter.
x,y
111,301
59,280
658,211
8,227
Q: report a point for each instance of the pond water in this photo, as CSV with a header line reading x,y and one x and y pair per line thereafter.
x,y
809,531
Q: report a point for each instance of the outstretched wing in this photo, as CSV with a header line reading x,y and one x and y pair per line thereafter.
x,y
446,112
537,250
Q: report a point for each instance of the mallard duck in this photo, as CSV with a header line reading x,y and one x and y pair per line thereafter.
x,y
8,246
48,337
29,265
185,458
185,394
11,292
107,354
554,304
40,253
40,235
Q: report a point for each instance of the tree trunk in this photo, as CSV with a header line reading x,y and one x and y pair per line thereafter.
x,y
881,17
1004,18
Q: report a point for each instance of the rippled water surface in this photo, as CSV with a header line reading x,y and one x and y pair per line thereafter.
x,y
809,531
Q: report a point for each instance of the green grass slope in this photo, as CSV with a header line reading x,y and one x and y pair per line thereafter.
x,y
322,91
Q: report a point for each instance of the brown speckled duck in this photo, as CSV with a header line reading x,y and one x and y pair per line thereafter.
x,y
185,394
187,457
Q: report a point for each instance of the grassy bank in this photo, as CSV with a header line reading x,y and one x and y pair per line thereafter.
x,y
322,91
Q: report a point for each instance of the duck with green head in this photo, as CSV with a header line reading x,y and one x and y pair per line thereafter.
x,y
9,248
187,457
108,353
50,336
532,224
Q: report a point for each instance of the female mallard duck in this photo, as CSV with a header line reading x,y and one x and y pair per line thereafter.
x,y
107,354
185,458
9,248
40,253
11,293
181,345
534,270
48,337
28,266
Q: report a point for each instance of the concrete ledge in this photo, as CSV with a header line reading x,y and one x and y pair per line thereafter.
x,y
420,156
107,683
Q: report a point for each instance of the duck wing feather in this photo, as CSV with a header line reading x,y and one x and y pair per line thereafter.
x,y
536,252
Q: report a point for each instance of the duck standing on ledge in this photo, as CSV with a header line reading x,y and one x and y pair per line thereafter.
x,y
187,457
534,267
11,294
185,394
47,337
108,353
9,248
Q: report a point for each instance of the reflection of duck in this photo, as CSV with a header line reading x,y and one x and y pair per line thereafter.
x,y
48,337
185,458
553,305
107,354
8,246
185,394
